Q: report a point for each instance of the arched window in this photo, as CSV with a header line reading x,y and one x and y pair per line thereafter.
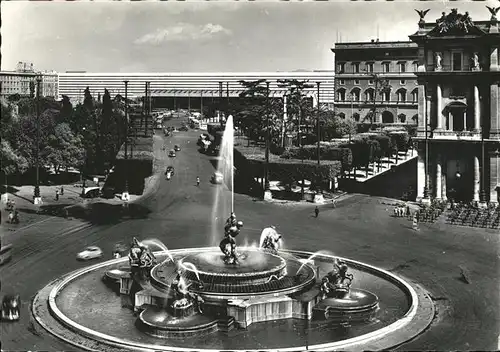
x,y
386,95
355,93
414,95
401,93
369,94
341,94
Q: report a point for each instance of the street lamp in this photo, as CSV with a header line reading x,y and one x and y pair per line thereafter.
x,y
125,194
426,184
37,199
482,194
266,184
317,122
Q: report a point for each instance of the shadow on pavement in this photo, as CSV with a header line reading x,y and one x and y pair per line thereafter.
x,y
96,213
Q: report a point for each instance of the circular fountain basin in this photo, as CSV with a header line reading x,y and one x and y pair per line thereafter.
x,y
358,305
258,273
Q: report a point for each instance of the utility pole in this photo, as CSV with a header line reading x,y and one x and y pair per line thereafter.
x,y
37,199
227,98
317,123
125,194
220,100
146,112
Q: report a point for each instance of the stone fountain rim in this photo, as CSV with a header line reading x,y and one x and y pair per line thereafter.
x,y
364,339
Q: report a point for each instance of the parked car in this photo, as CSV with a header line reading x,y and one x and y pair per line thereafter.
x,y
10,307
184,128
177,148
171,153
5,253
91,252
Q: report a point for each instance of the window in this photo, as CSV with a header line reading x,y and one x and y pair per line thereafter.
x,y
414,95
457,61
356,81
402,96
342,81
402,82
341,95
355,95
402,67
370,82
369,95
356,67
341,67
386,96
369,66
386,66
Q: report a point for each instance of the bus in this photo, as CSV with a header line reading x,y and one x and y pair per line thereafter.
x,y
5,253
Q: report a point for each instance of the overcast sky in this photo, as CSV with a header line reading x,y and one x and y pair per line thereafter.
x,y
202,36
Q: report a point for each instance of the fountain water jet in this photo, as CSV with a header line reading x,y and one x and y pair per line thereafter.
x,y
191,266
225,166
315,254
159,244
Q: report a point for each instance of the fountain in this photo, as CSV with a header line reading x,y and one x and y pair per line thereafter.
x,y
188,294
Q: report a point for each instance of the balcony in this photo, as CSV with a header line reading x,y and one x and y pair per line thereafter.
x,y
451,135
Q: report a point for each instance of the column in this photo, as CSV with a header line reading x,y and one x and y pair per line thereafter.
x,y
477,179
450,121
477,122
443,186
465,121
495,110
420,173
421,107
427,113
439,107
494,181
438,186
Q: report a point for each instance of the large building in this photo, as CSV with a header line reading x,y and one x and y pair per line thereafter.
x,y
22,81
187,89
361,70
458,77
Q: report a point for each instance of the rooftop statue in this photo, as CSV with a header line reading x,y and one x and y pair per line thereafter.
x,y
422,14
493,12
454,21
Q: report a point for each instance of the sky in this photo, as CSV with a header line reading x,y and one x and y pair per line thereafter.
x,y
258,36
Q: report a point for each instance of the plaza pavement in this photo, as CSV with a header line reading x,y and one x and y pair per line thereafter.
x,y
360,227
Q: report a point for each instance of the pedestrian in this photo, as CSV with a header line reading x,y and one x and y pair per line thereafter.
x,y
334,203
197,181
57,194
62,190
316,211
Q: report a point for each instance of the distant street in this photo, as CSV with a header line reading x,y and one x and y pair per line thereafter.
x,y
359,228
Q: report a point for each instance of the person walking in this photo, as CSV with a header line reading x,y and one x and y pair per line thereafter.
x,y
197,181
316,211
62,190
57,194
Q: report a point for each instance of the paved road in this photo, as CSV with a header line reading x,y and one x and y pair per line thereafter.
x,y
360,228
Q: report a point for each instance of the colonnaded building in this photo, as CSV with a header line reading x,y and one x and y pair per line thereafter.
x,y
189,90
458,77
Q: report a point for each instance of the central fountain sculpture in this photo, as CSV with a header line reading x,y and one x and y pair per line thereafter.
x,y
203,291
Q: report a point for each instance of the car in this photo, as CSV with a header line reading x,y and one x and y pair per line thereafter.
x,y
177,148
171,153
217,178
170,169
184,128
10,307
91,252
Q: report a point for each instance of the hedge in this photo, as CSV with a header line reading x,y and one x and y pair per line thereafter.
x,y
309,152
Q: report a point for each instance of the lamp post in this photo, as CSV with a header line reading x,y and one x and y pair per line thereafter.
x,y
227,98
37,199
266,184
482,194
125,194
317,122
426,182
220,100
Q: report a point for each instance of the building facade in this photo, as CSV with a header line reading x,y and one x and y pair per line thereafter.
x,y
23,81
188,88
458,77
360,72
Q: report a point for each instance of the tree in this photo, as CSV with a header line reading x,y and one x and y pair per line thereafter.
x,y
336,127
382,86
66,110
88,101
64,149
11,161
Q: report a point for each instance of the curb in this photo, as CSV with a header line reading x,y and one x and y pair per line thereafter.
x,y
374,338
